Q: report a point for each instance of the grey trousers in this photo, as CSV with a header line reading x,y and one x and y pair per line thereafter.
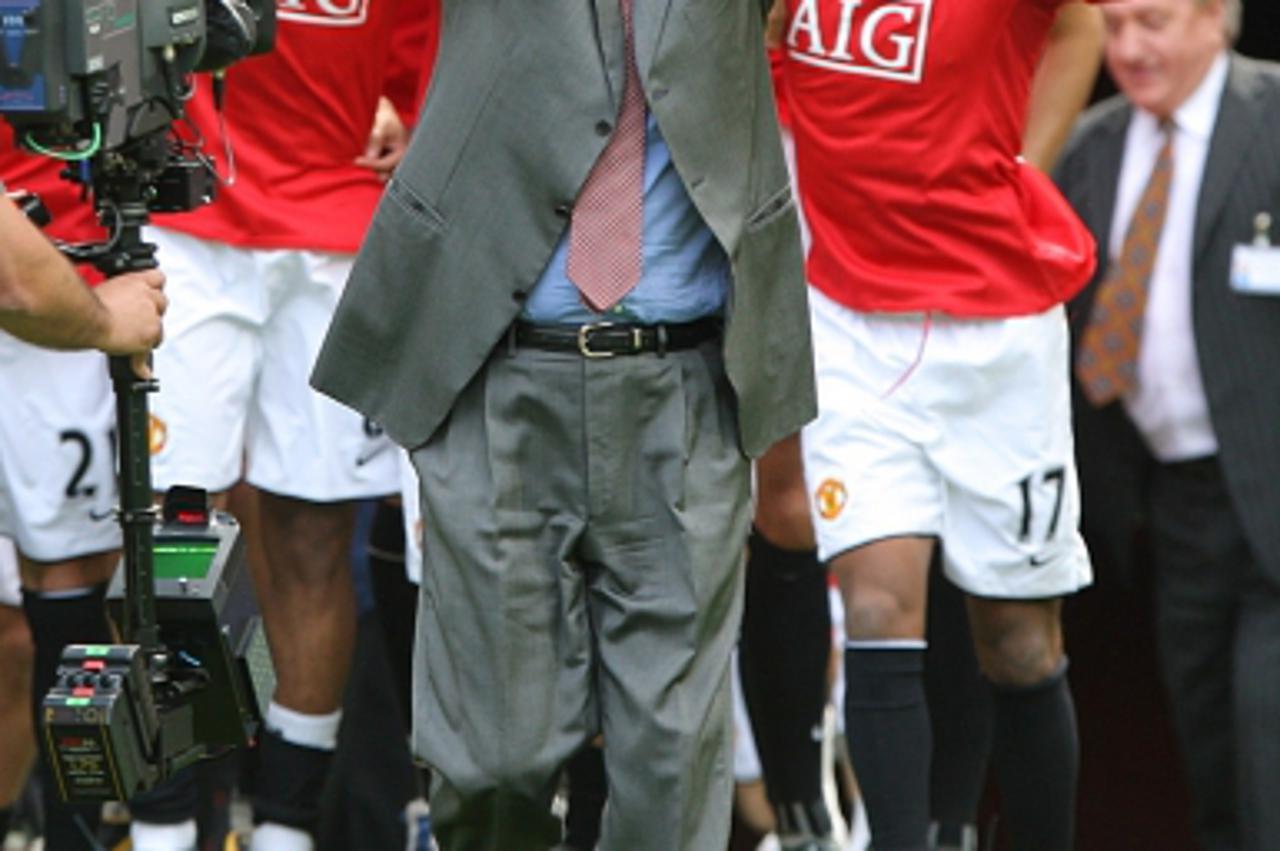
x,y
584,529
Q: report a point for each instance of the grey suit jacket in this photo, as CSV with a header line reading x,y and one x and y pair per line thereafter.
x,y
1237,336
521,103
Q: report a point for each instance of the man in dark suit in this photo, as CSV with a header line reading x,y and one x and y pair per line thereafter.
x,y
1178,401
581,306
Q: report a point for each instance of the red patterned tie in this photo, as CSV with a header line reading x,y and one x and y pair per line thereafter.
x,y
1107,360
608,219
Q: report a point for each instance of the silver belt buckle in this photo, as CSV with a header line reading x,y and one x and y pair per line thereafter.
x,y
584,347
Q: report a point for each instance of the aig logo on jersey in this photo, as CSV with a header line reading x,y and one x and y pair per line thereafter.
x,y
875,38
325,13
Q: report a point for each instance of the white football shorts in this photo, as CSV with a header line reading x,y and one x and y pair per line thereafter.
x,y
57,460
243,329
949,428
411,506
10,588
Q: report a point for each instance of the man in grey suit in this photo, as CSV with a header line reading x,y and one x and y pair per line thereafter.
x,y
581,375
1174,176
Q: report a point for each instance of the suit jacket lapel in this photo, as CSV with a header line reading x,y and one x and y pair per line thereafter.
x,y
609,42
1105,178
650,17
1101,181
1232,139
1096,202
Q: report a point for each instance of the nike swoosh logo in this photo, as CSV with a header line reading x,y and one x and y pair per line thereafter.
x,y
99,516
1040,562
361,460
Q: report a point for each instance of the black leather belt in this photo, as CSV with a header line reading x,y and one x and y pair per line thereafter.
x,y
607,339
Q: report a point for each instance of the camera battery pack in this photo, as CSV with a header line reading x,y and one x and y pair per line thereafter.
x,y
99,723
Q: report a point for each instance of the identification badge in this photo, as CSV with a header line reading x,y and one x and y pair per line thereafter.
x,y
1255,269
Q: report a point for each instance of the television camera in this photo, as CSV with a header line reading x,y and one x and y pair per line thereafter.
x,y
100,85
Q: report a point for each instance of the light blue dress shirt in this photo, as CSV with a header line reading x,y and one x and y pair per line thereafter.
x,y
684,276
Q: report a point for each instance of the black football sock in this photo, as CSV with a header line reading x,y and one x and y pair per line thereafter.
x,y
783,657
588,791
887,726
172,802
396,603
396,598
56,619
960,713
1037,758
287,781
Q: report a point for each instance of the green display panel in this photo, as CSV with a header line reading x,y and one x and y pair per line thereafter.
x,y
184,559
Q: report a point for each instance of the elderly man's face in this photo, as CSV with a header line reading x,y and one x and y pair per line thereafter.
x,y
1159,50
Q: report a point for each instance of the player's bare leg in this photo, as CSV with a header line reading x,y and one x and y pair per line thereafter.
x,y
308,606
307,599
1036,749
884,586
17,745
782,500
786,644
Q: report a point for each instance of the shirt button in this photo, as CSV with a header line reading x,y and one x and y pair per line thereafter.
x,y
603,128
564,210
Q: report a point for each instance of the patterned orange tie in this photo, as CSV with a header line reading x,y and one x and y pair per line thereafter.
x,y
605,233
1107,360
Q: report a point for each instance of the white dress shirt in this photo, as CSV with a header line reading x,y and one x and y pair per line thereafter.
x,y
1168,404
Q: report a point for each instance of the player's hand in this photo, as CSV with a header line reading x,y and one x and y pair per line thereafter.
x,y
134,303
388,139
775,25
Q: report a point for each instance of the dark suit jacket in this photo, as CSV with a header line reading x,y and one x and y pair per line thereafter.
x,y
1237,336
521,101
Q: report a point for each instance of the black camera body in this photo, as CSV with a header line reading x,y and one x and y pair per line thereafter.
x,y
109,71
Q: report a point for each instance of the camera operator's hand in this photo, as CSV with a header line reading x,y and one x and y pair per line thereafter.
x,y
388,139
44,301
133,303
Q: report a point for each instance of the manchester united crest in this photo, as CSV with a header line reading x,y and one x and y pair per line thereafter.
x,y
157,434
831,497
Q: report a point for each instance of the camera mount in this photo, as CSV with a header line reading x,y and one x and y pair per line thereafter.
x,y
188,681
99,84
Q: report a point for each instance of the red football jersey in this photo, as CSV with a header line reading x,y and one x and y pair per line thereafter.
x,y
68,204
298,117
415,40
908,117
777,66
70,207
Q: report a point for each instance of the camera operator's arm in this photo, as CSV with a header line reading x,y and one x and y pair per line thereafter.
x,y
44,301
